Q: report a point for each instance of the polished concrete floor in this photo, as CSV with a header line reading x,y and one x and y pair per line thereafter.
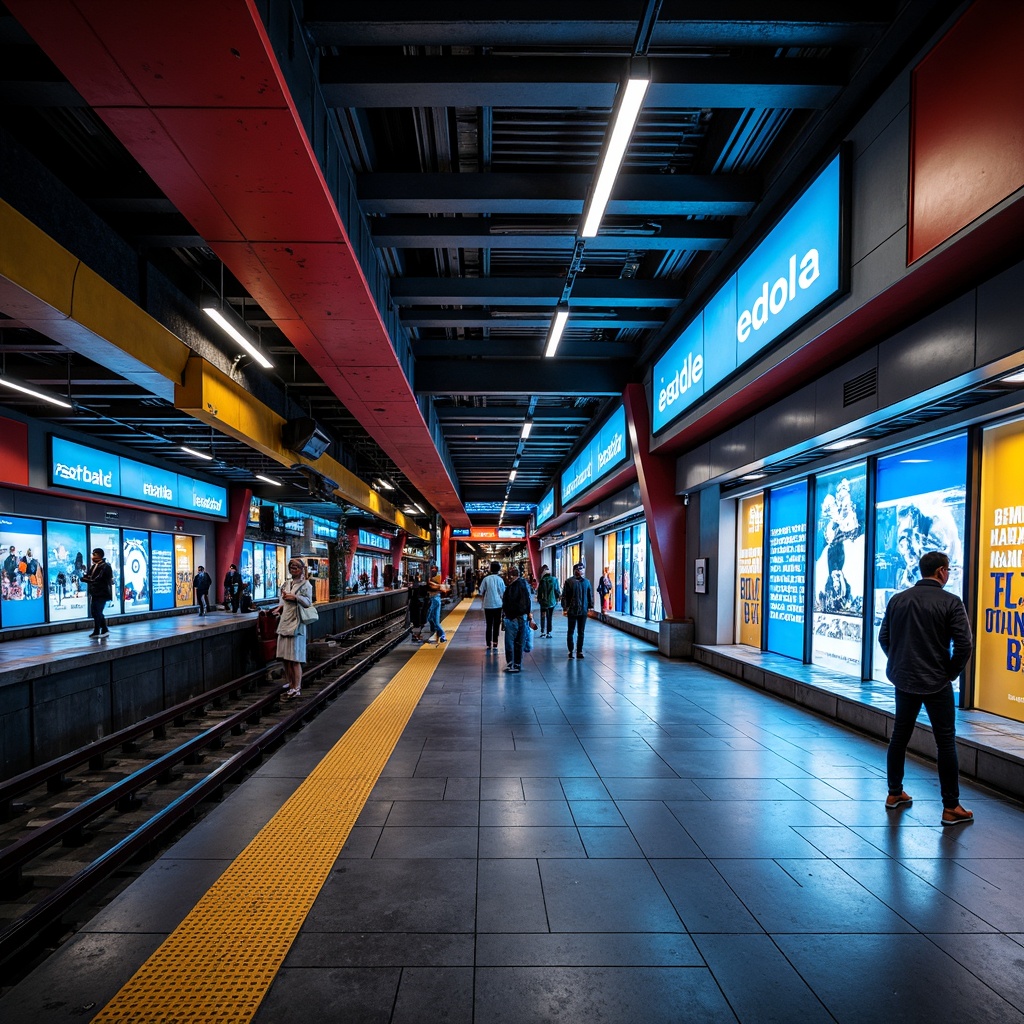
x,y
618,839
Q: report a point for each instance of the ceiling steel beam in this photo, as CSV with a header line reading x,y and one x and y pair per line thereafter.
x,y
466,233
605,377
645,195
596,293
352,80
463,318
603,23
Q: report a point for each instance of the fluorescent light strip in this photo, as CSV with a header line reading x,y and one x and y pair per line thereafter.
x,y
218,318
383,483
198,455
625,122
850,442
555,334
267,480
1014,378
527,427
35,394
512,476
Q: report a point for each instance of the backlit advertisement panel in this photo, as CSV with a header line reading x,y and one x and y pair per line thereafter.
x,y
605,452
136,571
22,572
838,618
920,500
162,571
999,631
85,469
787,569
140,482
183,572
546,508
201,497
110,541
258,574
67,554
749,548
795,270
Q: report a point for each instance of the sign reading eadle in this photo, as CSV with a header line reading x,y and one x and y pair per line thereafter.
x,y
795,270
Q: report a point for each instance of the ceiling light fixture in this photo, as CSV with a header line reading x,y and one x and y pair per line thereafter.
x,y
555,332
631,99
850,442
267,480
1014,378
527,427
41,395
512,475
383,483
218,317
198,455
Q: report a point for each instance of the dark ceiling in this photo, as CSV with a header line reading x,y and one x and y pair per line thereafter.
x,y
472,133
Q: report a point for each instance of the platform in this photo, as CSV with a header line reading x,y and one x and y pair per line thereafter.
x,y
624,838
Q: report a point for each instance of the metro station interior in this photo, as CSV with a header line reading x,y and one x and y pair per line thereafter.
x,y
624,286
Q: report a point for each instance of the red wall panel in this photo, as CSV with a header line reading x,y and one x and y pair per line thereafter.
x,y
13,452
967,124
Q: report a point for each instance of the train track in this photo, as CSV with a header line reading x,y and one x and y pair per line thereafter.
x,y
75,833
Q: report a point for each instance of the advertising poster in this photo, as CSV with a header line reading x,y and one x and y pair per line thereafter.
x,y
136,571
23,572
162,571
110,541
999,631
787,569
282,569
259,573
270,556
838,620
183,572
920,499
623,588
245,567
749,548
638,574
66,559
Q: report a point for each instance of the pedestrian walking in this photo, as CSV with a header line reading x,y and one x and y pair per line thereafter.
x,y
492,590
232,587
926,637
515,609
201,583
435,587
548,595
577,601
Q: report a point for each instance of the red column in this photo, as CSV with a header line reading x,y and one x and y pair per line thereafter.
x,y
229,535
397,550
666,514
447,551
353,543
533,549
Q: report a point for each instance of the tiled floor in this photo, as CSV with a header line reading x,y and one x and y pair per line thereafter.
x,y
620,839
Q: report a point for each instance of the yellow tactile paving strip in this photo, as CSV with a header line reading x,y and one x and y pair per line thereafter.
x,y
218,964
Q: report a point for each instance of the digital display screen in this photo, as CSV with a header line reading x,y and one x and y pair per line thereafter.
x,y
787,569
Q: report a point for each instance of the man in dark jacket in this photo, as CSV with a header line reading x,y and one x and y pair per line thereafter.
x,y
233,587
577,600
921,627
515,607
202,583
100,581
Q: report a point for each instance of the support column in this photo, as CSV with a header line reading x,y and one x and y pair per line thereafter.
x,y
666,525
230,535
397,550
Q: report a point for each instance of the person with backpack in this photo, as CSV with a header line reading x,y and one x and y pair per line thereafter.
x,y
604,589
548,595
515,607
577,600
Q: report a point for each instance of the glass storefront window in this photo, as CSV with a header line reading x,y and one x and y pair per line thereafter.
x,y
638,573
749,548
787,569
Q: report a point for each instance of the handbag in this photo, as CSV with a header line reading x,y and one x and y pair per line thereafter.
x,y
309,615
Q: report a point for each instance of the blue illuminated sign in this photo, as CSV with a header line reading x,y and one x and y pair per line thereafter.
x,y
794,271
546,508
86,469
787,569
605,452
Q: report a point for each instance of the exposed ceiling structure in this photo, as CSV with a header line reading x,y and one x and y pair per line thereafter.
x,y
390,199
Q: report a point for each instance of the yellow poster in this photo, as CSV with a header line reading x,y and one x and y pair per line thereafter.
x,y
750,544
999,631
183,571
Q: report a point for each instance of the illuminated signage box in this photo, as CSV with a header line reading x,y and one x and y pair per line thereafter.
x,y
796,269
546,508
86,469
606,451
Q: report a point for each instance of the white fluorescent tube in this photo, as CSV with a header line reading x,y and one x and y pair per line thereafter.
x,y
267,480
218,318
198,455
35,394
625,122
527,427
555,334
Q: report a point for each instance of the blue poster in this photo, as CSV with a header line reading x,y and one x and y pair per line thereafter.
x,y
161,571
22,572
67,555
259,573
787,569
920,503
839,561
136,571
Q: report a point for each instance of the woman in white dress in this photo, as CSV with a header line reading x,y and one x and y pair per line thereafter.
x,y
291,633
